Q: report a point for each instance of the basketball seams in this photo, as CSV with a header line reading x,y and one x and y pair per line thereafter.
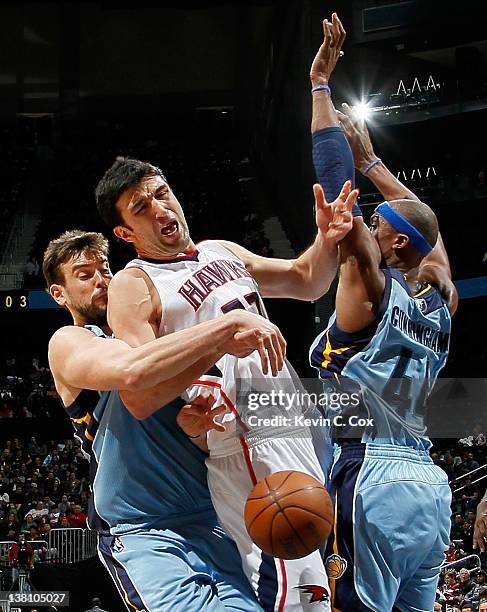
x,y
282,511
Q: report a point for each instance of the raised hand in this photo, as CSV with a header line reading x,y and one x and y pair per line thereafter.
x,y
329,52
199,417
335,220
358,136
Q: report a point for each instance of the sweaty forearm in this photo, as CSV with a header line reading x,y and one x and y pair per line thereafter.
x,y
165,358
145,402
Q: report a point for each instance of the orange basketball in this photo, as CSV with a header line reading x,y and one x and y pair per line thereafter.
x,y
289,514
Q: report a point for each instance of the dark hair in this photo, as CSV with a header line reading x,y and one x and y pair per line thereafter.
x,y
123,174
73,242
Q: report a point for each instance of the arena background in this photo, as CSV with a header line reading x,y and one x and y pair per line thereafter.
x,y
217,94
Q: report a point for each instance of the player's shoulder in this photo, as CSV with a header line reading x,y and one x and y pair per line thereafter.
x,y
233,249
128,280
66,339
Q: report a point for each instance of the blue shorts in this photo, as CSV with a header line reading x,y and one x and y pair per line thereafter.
x,y
195,568
392,526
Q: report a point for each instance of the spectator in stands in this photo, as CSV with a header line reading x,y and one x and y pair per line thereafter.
x,y
11,524
63,522
457,529
21,554
28,524
471,463
77,518
480,579
64,506
483,605
451,588
466,584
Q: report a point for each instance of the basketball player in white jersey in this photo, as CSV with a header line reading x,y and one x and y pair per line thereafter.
x,y
174,284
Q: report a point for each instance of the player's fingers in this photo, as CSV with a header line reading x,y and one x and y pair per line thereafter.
x,y
280,354
337,32
191,410
215,413
320,199
326,33
351,199
342,32
263,356
273,356
345,191
329,35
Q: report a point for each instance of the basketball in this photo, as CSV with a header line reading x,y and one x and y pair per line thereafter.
x,y
288,514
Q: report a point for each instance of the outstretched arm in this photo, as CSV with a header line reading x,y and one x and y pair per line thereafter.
x,y
309,276
435,267
332,157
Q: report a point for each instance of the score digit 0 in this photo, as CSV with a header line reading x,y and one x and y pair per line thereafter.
x,y
8,301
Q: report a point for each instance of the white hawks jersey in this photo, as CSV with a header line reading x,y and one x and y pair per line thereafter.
x,y
201,286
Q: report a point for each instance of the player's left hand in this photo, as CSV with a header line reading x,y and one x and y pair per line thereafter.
x,y
480,527
335,220
199,417
329,52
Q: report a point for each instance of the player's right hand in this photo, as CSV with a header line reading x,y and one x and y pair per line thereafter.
x,y
255,333
329,52
357,135
480,527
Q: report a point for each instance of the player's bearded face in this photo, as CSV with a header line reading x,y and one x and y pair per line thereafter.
x,y
154,221
86,288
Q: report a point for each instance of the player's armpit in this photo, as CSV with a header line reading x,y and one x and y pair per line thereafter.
x,y
133,310
361,282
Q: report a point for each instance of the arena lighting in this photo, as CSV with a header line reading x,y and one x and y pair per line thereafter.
x,y
362,110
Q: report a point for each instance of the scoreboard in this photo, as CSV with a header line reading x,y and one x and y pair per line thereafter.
x,y
20,300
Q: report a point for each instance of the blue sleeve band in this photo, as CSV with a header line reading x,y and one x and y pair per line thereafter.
x,y
402,225
333,162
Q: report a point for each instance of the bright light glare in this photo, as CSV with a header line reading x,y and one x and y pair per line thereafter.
x,y
362,110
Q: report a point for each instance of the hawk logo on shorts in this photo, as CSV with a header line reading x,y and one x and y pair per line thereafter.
x,y
318,593
335,566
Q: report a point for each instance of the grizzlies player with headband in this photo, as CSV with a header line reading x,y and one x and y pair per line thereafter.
x,y
173,284
158,534
387,339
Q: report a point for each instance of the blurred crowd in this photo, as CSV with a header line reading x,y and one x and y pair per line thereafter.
x,y
43,486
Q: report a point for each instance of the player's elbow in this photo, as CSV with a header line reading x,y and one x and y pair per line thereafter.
x,y
138,407
132,377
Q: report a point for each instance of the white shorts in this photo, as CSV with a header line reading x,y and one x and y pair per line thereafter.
x,y
297,585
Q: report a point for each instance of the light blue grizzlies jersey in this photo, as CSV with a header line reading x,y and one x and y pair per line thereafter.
x,y
143,473
386,371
